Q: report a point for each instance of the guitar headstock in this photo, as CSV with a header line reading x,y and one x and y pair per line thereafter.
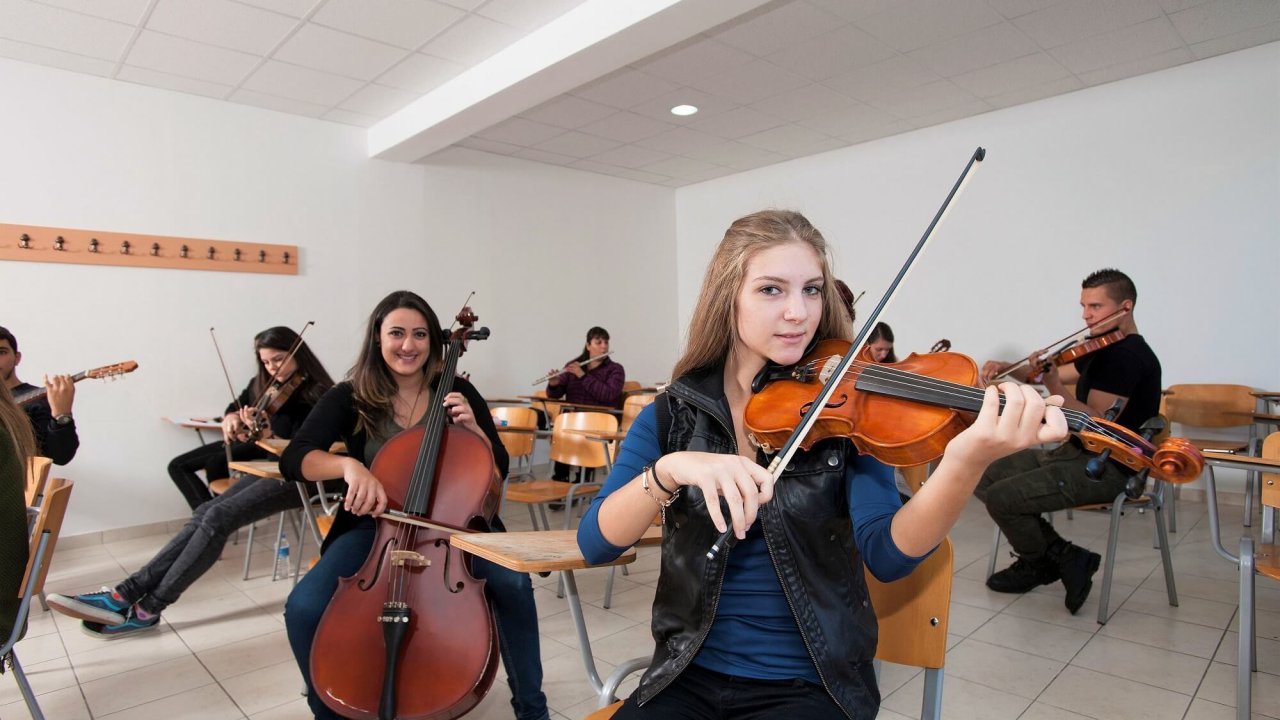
x,y
107,371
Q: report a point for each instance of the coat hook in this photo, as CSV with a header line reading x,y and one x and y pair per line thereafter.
x,y
24,242
93,245
262,256
60,243
210,253
236,254
155,249
124,248
183,252
286,257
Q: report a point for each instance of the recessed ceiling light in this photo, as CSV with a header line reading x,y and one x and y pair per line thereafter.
x,y
683,110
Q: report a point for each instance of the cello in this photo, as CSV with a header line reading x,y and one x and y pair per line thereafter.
x,y
435,623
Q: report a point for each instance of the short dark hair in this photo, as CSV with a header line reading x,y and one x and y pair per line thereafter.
x,y
6,335
1117,285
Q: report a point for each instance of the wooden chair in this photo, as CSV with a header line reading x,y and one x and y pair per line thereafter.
x,y
552,408
571,449
912,613
519,445
37,475
44,539
632,406
1214,406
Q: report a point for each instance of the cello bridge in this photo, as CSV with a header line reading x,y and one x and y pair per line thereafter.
x,y
408,558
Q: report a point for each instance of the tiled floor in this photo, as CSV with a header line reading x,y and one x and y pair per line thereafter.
x,y
221,651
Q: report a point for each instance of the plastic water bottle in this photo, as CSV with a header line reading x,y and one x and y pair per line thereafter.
x,y
282,554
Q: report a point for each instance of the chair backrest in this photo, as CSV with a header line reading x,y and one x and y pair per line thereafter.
x,y
54,508
912,612
1271,481
630,386
915,476
632,406
550,407
578,450
1209,405
37,474
517,444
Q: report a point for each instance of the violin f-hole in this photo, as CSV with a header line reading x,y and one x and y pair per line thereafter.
x,y
844,398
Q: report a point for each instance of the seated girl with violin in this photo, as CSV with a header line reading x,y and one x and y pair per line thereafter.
x,y
136,603
270,347
781,621
389,392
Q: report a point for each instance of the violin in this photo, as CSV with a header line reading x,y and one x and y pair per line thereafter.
x,y
437,653
274,397
1073,347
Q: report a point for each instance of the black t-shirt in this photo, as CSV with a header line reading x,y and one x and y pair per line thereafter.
x,y
56,442
1128,369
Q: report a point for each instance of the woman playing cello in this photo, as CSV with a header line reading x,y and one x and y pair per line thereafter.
x,y
388,390
782,622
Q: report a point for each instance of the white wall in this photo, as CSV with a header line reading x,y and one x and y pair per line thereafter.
x,y
549,251
1173,177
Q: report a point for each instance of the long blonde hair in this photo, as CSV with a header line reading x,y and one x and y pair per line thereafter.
x,y
14,422
713,330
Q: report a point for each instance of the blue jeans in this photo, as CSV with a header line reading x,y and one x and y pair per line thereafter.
x,y
510,596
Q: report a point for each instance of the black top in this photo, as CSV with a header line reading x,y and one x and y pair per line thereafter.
x,y
334,418
1128,369
286,421
56,442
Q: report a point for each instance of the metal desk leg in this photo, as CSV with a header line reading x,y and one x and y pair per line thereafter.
x,y
580,624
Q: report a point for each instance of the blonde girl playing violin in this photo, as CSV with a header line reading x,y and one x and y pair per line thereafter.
x,y
781,622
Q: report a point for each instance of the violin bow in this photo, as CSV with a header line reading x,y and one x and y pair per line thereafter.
x,y
1066,342
226,445
788,450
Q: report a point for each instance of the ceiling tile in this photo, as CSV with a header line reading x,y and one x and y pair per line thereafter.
x,y
680,141
626,127
472,40
975,50
798,104
543,156
490,146
851,119
1017,8
377,100
736,155
55,58
274,102
703,58
1137,66
679,167
630,156
1224,17
35,24
831,54
299,83
711,174
346,117
643,176
598,167
1124,45
784,26
144,76
577,144
292,8
625,88
737,123
320,48
518,131
853,10
1173,6
787,139
1237,41
1013,75
873,81
1032,93
913,24
123,11
403,23
1073,20
957,112
188,58
420,73
659,108
222,23
751,82
883,131
568,111
923,100
526,14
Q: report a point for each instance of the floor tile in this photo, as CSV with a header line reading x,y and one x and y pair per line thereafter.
x,y
1002,668
1033,636
143,685
205,703
1143,663
1101,696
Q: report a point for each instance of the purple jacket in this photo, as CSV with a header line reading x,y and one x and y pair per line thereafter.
x,y
602,386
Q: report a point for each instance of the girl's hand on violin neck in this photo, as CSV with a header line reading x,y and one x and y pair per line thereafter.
x,y
1026,420
365,495
743,484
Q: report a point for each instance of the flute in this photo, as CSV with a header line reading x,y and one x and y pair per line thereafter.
x,y
581,363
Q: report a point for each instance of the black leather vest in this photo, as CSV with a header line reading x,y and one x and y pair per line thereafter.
x,y
810,540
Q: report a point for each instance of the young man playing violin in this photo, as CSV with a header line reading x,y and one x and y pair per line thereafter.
x,y
1019,488
50,416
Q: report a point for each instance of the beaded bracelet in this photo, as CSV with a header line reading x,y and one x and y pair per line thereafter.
x,y
662,505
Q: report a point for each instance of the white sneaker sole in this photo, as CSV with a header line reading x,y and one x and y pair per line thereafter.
x,y
72,607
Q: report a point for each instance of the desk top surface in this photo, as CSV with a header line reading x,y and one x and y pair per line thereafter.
x,y
532,551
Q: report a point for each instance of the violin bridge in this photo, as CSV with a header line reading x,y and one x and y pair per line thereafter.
x,y
828,369
408,558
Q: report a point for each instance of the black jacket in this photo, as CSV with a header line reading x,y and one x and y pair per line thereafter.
x,y
810,539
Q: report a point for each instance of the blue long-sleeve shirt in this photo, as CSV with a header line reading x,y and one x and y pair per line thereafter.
x,y
754,633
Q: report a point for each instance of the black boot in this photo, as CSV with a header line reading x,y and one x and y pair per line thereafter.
x,y
1024,575
1076,566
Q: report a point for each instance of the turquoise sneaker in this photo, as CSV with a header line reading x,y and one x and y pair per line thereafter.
x,y
110,632
106,607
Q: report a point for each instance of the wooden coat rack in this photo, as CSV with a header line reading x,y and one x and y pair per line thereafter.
x,y
32,243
